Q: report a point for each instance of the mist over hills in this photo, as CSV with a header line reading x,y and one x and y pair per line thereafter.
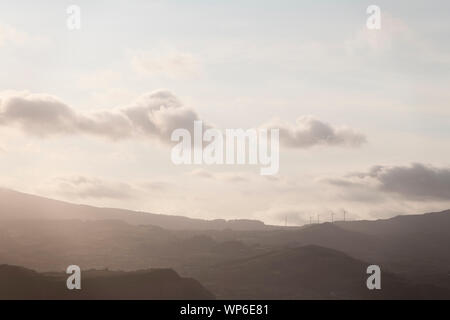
x,y
238,259
17,205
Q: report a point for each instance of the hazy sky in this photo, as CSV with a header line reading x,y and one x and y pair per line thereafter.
x,y
364,114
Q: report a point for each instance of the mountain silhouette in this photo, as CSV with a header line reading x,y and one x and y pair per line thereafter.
x,y
23,284
309,272
17,205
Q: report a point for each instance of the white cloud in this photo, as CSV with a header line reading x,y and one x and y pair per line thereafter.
x,y
394,32
11,36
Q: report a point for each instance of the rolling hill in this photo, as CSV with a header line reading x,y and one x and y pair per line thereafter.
x,y
17,205
18,283
309,272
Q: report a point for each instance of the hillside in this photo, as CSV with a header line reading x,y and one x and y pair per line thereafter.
x,y
309,272
23,284
17,205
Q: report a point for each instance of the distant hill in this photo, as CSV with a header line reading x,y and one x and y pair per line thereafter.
x,y
22,284
309,272
415,246
46,245
428,223
17,205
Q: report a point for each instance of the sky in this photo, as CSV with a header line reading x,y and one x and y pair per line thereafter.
x,y
86,114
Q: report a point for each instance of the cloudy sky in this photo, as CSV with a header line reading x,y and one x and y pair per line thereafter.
x,y
364,115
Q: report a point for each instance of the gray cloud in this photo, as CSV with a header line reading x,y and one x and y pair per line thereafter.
x,y
309,131
155,114
39,115
414,182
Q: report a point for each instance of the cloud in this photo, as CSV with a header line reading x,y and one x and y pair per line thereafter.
x,y
394,34
309,131
414,182
157,186
291,217
221,176
43,115
154,115
92,188
159,113
37,114
10,36
202,173
172,65
397,47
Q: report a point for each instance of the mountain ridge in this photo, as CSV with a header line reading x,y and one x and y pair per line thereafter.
x,y
14,205
25,284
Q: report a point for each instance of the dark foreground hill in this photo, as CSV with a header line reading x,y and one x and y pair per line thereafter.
x,y
309,272
23,284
